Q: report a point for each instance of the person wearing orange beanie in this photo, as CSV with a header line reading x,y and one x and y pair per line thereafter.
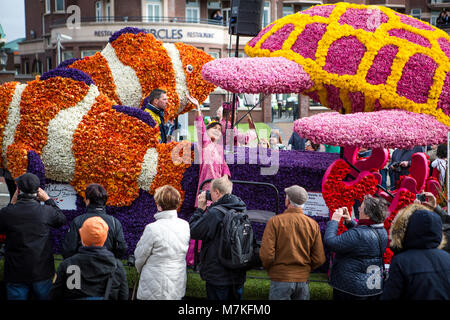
x,y
94,232
85,275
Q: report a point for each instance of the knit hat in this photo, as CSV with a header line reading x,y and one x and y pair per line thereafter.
x,y
28,183
213,124
94,232
296,194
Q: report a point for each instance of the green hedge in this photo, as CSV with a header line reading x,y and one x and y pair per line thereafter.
x,y
256,287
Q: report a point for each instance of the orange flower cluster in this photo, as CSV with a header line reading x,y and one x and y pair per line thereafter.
x,y
6,95
109,148
173,160
149,59
193,60
17,159
41,102
97,67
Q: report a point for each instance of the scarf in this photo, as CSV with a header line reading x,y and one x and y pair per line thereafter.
x,y
365,222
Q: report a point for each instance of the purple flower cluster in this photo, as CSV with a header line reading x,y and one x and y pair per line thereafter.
x,y
136,113
74,74
145,102
295,167
67,63
36,166
117,34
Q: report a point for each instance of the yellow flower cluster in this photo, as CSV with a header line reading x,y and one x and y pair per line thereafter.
x,y
386,93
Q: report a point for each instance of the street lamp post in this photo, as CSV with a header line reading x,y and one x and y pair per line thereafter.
x,y
59,38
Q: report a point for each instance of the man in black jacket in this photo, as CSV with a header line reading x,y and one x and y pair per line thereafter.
x,y
205,224
93,273
96,197
400,163
29,263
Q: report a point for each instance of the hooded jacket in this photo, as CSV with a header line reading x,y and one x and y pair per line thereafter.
x,y
419,269
161,258
206,226
96,265
358,261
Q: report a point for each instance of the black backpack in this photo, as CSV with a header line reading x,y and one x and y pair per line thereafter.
x,y
237,249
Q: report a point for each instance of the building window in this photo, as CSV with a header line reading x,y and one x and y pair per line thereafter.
x,y
108,10
26,67
154,10
98,11
49,63
241,54
266,16
48,8
214,54
287,9
416,13
226,15
66,55
434,17
192,11
38,67
59,6
87,53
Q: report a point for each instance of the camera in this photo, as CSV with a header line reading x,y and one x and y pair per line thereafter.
x,y
421,197
208,195
396,167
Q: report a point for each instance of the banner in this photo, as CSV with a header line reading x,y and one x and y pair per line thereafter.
x,y
64,195
315,205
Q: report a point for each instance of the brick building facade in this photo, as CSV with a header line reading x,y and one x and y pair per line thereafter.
x,y
188,21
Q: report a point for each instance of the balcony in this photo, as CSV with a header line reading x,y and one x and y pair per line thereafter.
x,y
141,19
438,4
167,29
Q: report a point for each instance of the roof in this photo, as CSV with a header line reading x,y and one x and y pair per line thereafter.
x,y
2,33
13,46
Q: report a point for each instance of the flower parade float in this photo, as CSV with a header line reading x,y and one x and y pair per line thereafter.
x,y
386,74
83,123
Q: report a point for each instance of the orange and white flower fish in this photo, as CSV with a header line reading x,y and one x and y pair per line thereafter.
x,y
71,120
134,63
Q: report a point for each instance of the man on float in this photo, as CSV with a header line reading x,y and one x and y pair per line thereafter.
x,y
157,103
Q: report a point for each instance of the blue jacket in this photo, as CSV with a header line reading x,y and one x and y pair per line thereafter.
x,y
419,270
358,261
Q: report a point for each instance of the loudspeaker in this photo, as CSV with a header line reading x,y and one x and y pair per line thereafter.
x,y
246,17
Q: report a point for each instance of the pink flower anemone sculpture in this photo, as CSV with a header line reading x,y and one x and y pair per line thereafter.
x,y
255,75
379,129
349,57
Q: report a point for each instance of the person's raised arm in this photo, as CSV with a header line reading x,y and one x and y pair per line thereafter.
x,y
202,137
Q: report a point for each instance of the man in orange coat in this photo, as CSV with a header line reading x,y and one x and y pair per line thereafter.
x,y
291,247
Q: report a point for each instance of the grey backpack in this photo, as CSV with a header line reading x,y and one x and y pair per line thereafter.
x,y
237,242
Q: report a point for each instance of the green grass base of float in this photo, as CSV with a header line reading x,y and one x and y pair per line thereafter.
x,y
255,288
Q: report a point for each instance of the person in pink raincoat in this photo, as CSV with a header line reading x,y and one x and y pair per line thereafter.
x,y
240,138
211,156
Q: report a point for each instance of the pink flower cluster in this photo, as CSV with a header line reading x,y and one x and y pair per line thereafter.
x,y
257,75
379,129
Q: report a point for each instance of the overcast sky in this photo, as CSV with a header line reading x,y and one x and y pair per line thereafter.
x,y
12,18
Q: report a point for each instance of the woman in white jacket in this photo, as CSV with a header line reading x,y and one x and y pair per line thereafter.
x,y
161,252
